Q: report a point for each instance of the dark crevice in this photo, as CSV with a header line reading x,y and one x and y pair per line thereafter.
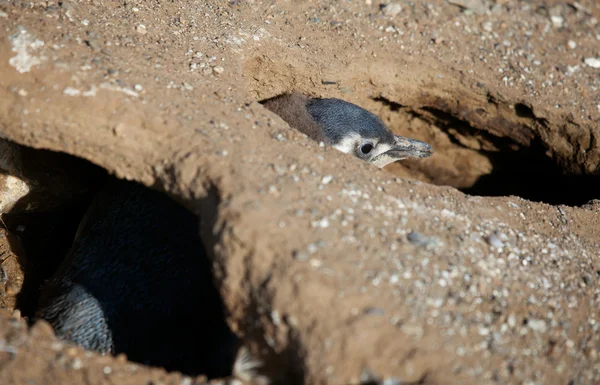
x,y
393,106
524,170
524,111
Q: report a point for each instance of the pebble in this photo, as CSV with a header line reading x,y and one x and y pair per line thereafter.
x,y
392,381
391,9
592,62
557,21
326,179
374,311
71,91
94,45
471,6
494,240
322,223
141,29
487,26
77,364
415,331
218,70
316,263
538,325
419,239
56,346
300,256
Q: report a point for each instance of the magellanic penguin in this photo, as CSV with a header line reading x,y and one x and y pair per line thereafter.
x,y
347,127
137,281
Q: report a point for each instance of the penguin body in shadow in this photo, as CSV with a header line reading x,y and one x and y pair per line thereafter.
x,y
137,281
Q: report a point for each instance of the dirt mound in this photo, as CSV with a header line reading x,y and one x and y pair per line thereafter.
x,y
331,270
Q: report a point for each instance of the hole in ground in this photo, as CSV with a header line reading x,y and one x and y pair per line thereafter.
x,y
482,164
136,273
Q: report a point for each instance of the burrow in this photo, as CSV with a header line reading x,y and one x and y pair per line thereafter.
x,y
516,162
36,235
510,159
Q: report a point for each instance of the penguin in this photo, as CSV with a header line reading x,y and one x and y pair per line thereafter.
x,y
346,127
137,281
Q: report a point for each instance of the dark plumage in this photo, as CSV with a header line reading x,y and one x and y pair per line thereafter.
x,y
337,118
137,281
347,127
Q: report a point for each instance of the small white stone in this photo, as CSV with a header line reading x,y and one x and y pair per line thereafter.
x,y
275,317
138,87
141,29
326,179
494,241
512,321
316,263
487,26
392,9
557,21
538,325
77,364
56,346
71,91
592,62
572,44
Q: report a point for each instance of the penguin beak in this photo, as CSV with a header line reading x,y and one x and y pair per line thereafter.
x,y
409,148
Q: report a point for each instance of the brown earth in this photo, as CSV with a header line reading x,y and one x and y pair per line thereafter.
x,y
334,271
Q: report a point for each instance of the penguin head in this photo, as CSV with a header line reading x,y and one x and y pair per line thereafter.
x,y
354,130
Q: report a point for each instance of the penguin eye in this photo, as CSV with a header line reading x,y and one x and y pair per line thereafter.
x,y
366,148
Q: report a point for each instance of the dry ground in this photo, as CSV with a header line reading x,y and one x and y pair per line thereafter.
x,y
330,268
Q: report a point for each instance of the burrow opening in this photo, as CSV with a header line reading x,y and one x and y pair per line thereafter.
x,y
479,163
160,311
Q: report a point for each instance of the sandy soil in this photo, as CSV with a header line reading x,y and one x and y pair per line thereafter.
x,y
334,271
